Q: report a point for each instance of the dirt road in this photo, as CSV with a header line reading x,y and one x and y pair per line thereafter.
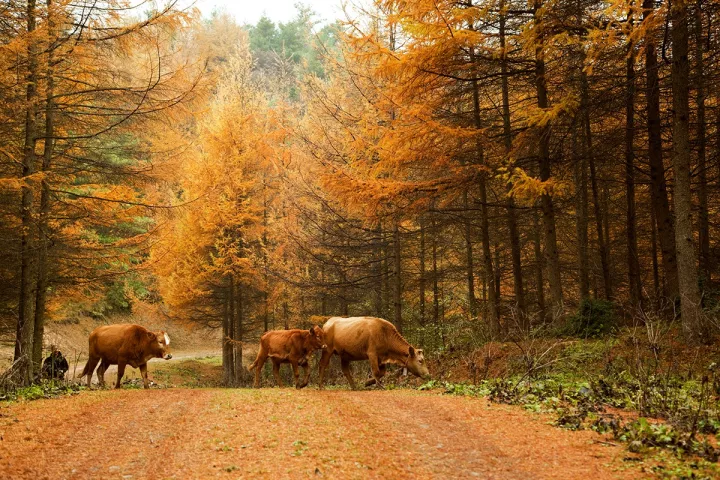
x,y
284,433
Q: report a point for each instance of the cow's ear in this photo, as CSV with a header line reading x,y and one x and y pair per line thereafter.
x,y
412,351
312,330
151,335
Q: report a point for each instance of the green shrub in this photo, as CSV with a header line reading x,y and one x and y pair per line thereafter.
x,y
594,318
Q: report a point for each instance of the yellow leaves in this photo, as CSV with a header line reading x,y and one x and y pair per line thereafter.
x,y
232,165
539,117
12,184
527,190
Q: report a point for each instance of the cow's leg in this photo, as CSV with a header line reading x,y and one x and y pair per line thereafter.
x,y
324,362
259,364
90,368
345,365
378,371
306,371
121,372
276,371
296,374
101,372
143,372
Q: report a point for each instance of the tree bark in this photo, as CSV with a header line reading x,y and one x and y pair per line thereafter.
x,y
227,360
703,216
378,268
238,330
421,282
684,239
43,231
581,223
658,187
552,256
397,290
231,333
386,275
26,305
493,318
587,136
655,264
524,320
539,280
634,283
469,268
436,291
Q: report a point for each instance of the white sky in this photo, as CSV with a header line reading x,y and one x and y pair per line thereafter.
x,y
249,11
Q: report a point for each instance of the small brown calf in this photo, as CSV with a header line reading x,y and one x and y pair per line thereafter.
x,y
288,346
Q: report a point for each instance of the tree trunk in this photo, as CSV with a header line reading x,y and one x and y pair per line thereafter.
x,y
227,360
703,216
634,283
493,318
26,305
266,275
658,188
653,241
323,294
386,277
378,268
513,230
539,280
587,136
581,223
684,240
231,333
469,270
498,272
397,290
422,273
552,256
436,292
43,231
238,330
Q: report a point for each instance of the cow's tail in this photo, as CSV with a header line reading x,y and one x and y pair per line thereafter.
x,y
253,365
85,370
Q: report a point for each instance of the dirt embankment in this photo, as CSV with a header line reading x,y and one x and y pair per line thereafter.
x,y
284,433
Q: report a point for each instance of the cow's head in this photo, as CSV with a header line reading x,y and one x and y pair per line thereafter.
x,y
317,338
416,363
159,344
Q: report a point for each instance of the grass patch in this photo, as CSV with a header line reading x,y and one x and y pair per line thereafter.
x,y
44,389
190,373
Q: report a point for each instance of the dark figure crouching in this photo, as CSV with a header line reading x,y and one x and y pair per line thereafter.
x,y
54,366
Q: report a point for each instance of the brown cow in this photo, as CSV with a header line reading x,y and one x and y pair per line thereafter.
x,y
121,345
288,346
369,338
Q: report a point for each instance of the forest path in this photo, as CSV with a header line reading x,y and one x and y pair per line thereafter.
x,y
285,433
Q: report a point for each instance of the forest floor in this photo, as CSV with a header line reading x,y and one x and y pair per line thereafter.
x,y
285,433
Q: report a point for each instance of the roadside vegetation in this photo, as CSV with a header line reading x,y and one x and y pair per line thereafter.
x,y
639,385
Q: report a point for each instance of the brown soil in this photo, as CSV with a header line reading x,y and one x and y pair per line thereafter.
x,y
284,433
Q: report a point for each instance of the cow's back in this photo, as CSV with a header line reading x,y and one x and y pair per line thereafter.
x,y
352,337
282,342
110,341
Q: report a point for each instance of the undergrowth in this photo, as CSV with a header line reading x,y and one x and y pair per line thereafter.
x,y
44,389
641,386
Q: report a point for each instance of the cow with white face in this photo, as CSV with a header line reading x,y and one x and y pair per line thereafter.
x,y
122,345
